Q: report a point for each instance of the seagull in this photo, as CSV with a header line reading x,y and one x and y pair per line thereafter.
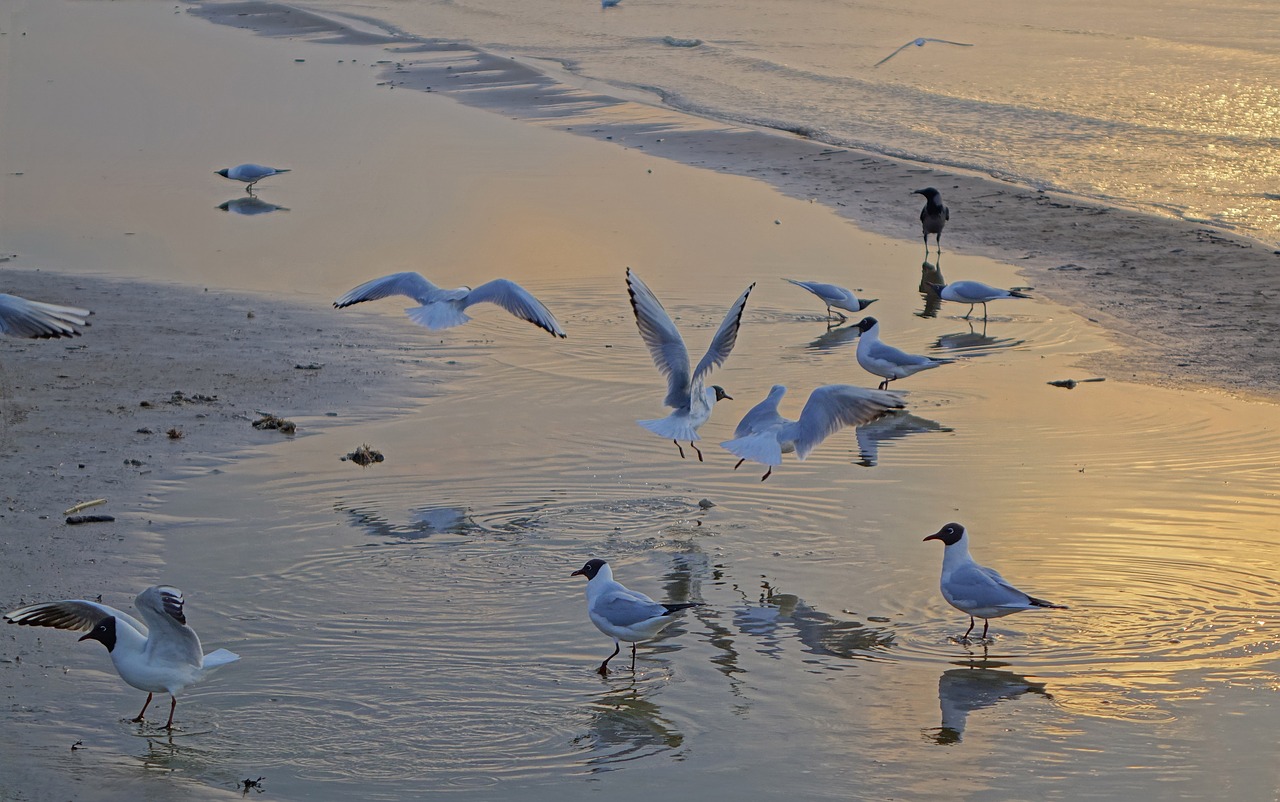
x,y
609,4
976,589
832,295
919,43
685,392
624,615
249,173
973,293
444,309
161,656
885,361
933,217
764,436
37,320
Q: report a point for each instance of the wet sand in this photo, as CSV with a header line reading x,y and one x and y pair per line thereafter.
x,y
68,404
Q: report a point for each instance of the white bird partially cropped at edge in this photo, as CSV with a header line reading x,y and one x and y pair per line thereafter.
x,y
973,293
250,174
919,42
38,320
764,435
835,296
444,309
622,614
975,589
161,656
884,360
686,393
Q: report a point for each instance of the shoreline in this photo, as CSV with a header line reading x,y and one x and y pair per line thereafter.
x,y
1187,302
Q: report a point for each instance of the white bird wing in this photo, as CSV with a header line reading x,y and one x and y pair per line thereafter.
x,y
628,608
827,292
833,407
76,615
20,317
883,352
726,337
763,416
663,339
516,300
411,284
161,606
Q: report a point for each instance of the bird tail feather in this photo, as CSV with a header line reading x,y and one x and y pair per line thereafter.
x,y
672,428
1049,605
762,448
437,316
219,657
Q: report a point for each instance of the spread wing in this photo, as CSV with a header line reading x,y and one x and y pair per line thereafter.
x,y
516,300
411,284
76,615
764,415
726,337
833,407
665,344
161,606
22,318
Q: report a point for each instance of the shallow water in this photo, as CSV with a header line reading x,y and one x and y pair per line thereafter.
x,y
411,629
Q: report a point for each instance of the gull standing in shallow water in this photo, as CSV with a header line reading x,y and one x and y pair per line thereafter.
x,y
973,293
250,173
933,217
885,361
686,394
622,614
444,309
764,436
37,320
919,42
161,656
975,589
833,295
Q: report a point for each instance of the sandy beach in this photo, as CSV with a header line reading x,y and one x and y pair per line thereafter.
x,y
201,346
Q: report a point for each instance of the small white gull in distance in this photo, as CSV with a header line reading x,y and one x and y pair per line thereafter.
x,y
622,614
933,217
686,393
973,293
975,589
444,309
161,656
835,296
20,317
884,360
764,435
250,174
919,42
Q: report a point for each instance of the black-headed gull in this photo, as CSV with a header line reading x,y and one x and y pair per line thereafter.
x,y
885,361
933,217
764,436
37,320
161,656
833,295
622,614
975,589
919,42
686,393
973,293
444,309
250,174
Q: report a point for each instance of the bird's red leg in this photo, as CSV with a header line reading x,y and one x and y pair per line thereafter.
x,y
695,448
173,705
144,709
603,670
678,448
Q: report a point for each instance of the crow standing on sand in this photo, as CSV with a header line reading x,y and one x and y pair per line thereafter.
x,y
933,217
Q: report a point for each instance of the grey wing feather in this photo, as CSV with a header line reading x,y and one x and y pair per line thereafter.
x,y
894,53
665,344
726,337
763,415
835,406
625,611
414,285
516,300
161,606
984,587
20,317
76,615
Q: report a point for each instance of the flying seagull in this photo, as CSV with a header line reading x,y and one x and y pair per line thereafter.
x,y
919,43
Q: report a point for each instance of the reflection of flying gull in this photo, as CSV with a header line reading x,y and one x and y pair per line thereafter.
x,y
162,656
764,436
919,43
686,394
622,614
444,309
36,320
975,589
833,295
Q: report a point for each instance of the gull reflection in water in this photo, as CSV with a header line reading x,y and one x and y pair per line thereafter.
x,y
782,615
834,338
975,342
250,206
977,686
931,273
887,428
626,726
422,523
